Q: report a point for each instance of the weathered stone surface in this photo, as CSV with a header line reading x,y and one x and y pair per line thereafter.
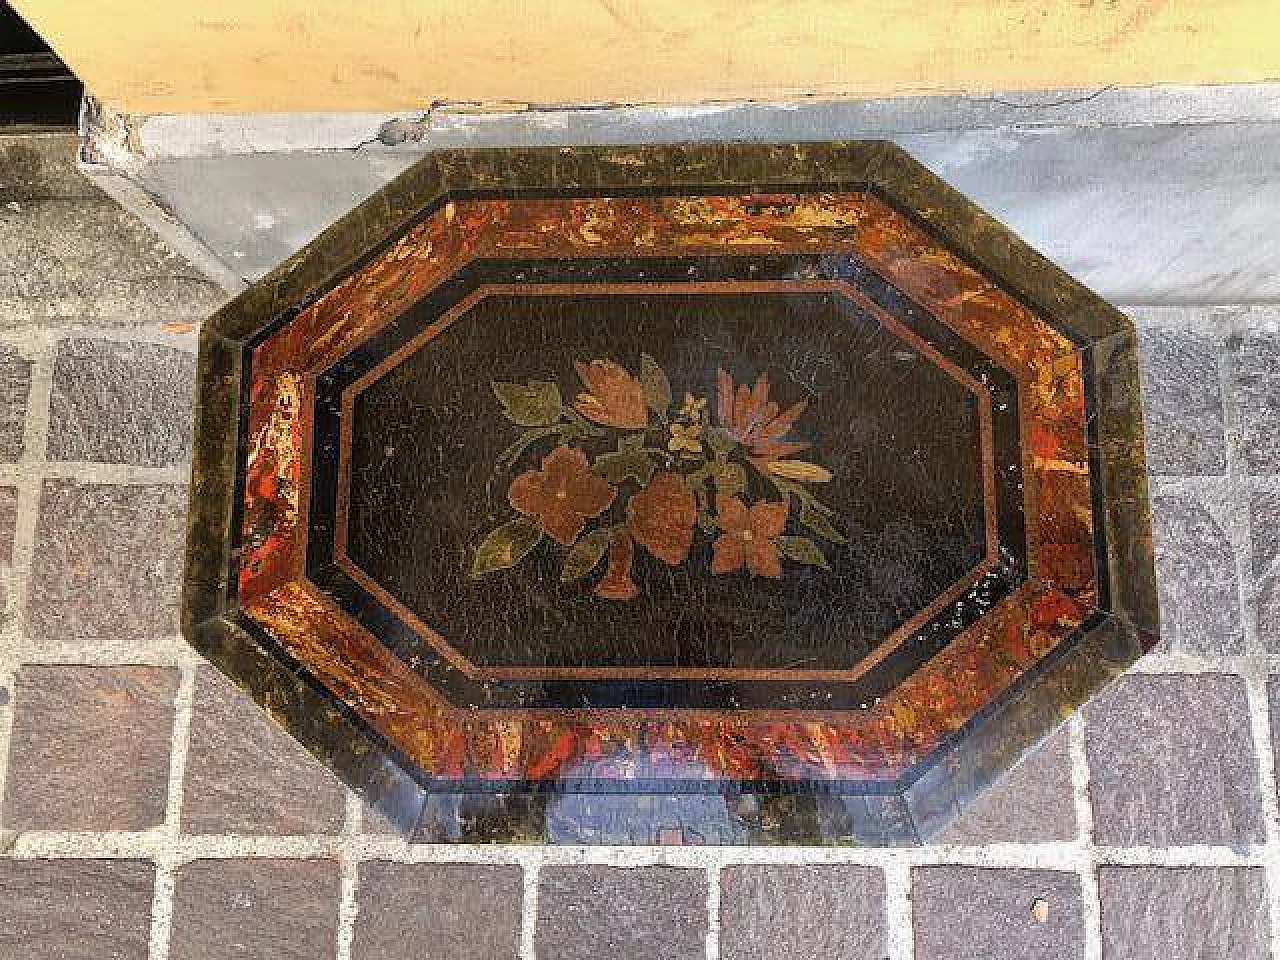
x,y
1182,403
966,913
121,403
1265,509
1256,374
15,386
1153,913
1273,690
1124,207
86,260
1171,761
246,775
1196,578
90,748
42,166
259,908
75,909
1032,803
802,913
457,911
108,561
608,913
8,521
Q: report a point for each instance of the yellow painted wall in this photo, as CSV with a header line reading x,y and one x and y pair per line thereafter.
x,y
171,56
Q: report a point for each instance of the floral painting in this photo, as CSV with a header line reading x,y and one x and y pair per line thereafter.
x,y
625,468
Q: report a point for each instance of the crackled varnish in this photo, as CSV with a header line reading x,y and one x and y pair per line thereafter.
x,y
771,469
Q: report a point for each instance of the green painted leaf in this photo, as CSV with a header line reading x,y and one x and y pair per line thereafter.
x,y
817,517
584,556
635,463
576,431
535,404
814,514
506,546
657,388
785,487
814,503
514,452
698,481
730,479
719,440
802,550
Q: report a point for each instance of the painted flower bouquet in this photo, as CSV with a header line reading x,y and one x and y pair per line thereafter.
x,y
628,466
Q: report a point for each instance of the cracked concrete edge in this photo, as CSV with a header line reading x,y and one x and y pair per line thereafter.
x,y
124,191
108,139
130,157
110,157
180,136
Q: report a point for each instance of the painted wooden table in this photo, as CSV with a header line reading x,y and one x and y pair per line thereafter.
x,y
749,493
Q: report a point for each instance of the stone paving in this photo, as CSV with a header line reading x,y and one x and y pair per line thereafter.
x,y
151,811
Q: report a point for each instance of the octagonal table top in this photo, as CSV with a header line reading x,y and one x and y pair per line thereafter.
x,y
735,493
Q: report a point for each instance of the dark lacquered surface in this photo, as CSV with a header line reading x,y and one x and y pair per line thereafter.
x,y
906,496
393,538
906,499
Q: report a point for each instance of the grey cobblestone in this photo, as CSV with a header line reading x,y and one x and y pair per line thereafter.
x,y
75,909
245,775
1256,372
802,913
89,748
606,913
1182,403
1151,913
474,912
121,403
1172,762
1265,509
86,261
259,908
8,521
1196,579
1032,803
15,387
108,561
963,913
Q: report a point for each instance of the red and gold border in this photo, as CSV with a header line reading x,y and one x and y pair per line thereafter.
x,y
876,743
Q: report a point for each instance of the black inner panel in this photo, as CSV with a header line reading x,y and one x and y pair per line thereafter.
x,y
899,436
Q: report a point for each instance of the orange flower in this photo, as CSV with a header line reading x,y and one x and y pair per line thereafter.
x,y
754,420
563,494
617,583
661,517
747,537
615,398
